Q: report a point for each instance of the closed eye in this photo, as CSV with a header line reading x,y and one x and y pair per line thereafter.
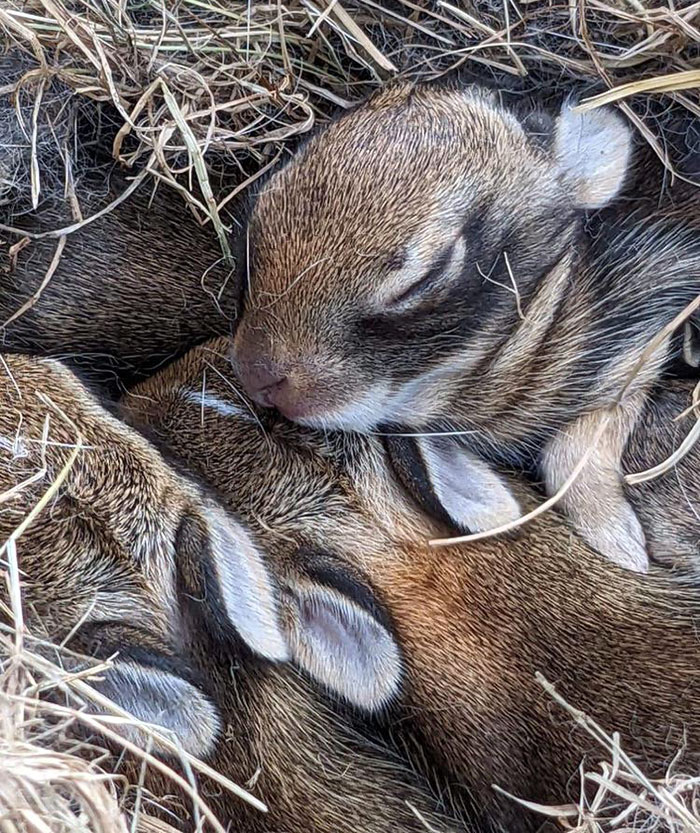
x,y
446,267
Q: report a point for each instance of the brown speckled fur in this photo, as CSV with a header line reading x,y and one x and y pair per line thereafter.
x,y
132,289
105,552
476,622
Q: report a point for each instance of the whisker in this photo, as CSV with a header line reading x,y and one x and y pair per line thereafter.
x,y
420,433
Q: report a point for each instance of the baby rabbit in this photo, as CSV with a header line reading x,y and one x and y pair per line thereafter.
x,y
131,291
127,291
132,560
476,621
110,548
425,262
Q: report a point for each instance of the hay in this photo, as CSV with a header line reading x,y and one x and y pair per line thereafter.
x,y
191,88
625,800
45,785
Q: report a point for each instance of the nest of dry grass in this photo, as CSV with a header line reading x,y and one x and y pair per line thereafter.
x,y
192,87
48,780
178,91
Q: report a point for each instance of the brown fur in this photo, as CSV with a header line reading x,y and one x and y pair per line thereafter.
x,y
476,622
311,764
529,316
116,551
131,291
120,499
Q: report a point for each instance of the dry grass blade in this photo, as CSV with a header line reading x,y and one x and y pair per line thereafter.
x,y
29,303
201,170
683,449
625,799
688,80
356,32
48,494
66,230
241,81
152,824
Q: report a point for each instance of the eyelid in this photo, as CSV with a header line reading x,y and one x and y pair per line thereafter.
x,y
431,277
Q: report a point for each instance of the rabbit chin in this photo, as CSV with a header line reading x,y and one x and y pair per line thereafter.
x,y
383,403
362,415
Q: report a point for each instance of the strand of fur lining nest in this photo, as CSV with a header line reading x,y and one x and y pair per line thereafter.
x,y
578,468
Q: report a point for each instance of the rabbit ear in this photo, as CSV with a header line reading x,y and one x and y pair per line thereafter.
x,y
221,564
450,484
592,150
339,636
472,494
162,699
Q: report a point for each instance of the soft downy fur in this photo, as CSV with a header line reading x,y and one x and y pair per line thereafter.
x,y
475,622
115,538
131,291
132,560
427,262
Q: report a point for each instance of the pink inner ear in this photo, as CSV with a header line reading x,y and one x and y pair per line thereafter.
x,y
331,628
344,647
473,494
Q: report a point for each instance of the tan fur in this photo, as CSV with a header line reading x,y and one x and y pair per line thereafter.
x,y
475,622
313,769
299,258
119,500
104,555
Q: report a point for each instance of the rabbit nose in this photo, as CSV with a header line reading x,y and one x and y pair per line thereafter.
x,y
269,390
265,383
286,384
